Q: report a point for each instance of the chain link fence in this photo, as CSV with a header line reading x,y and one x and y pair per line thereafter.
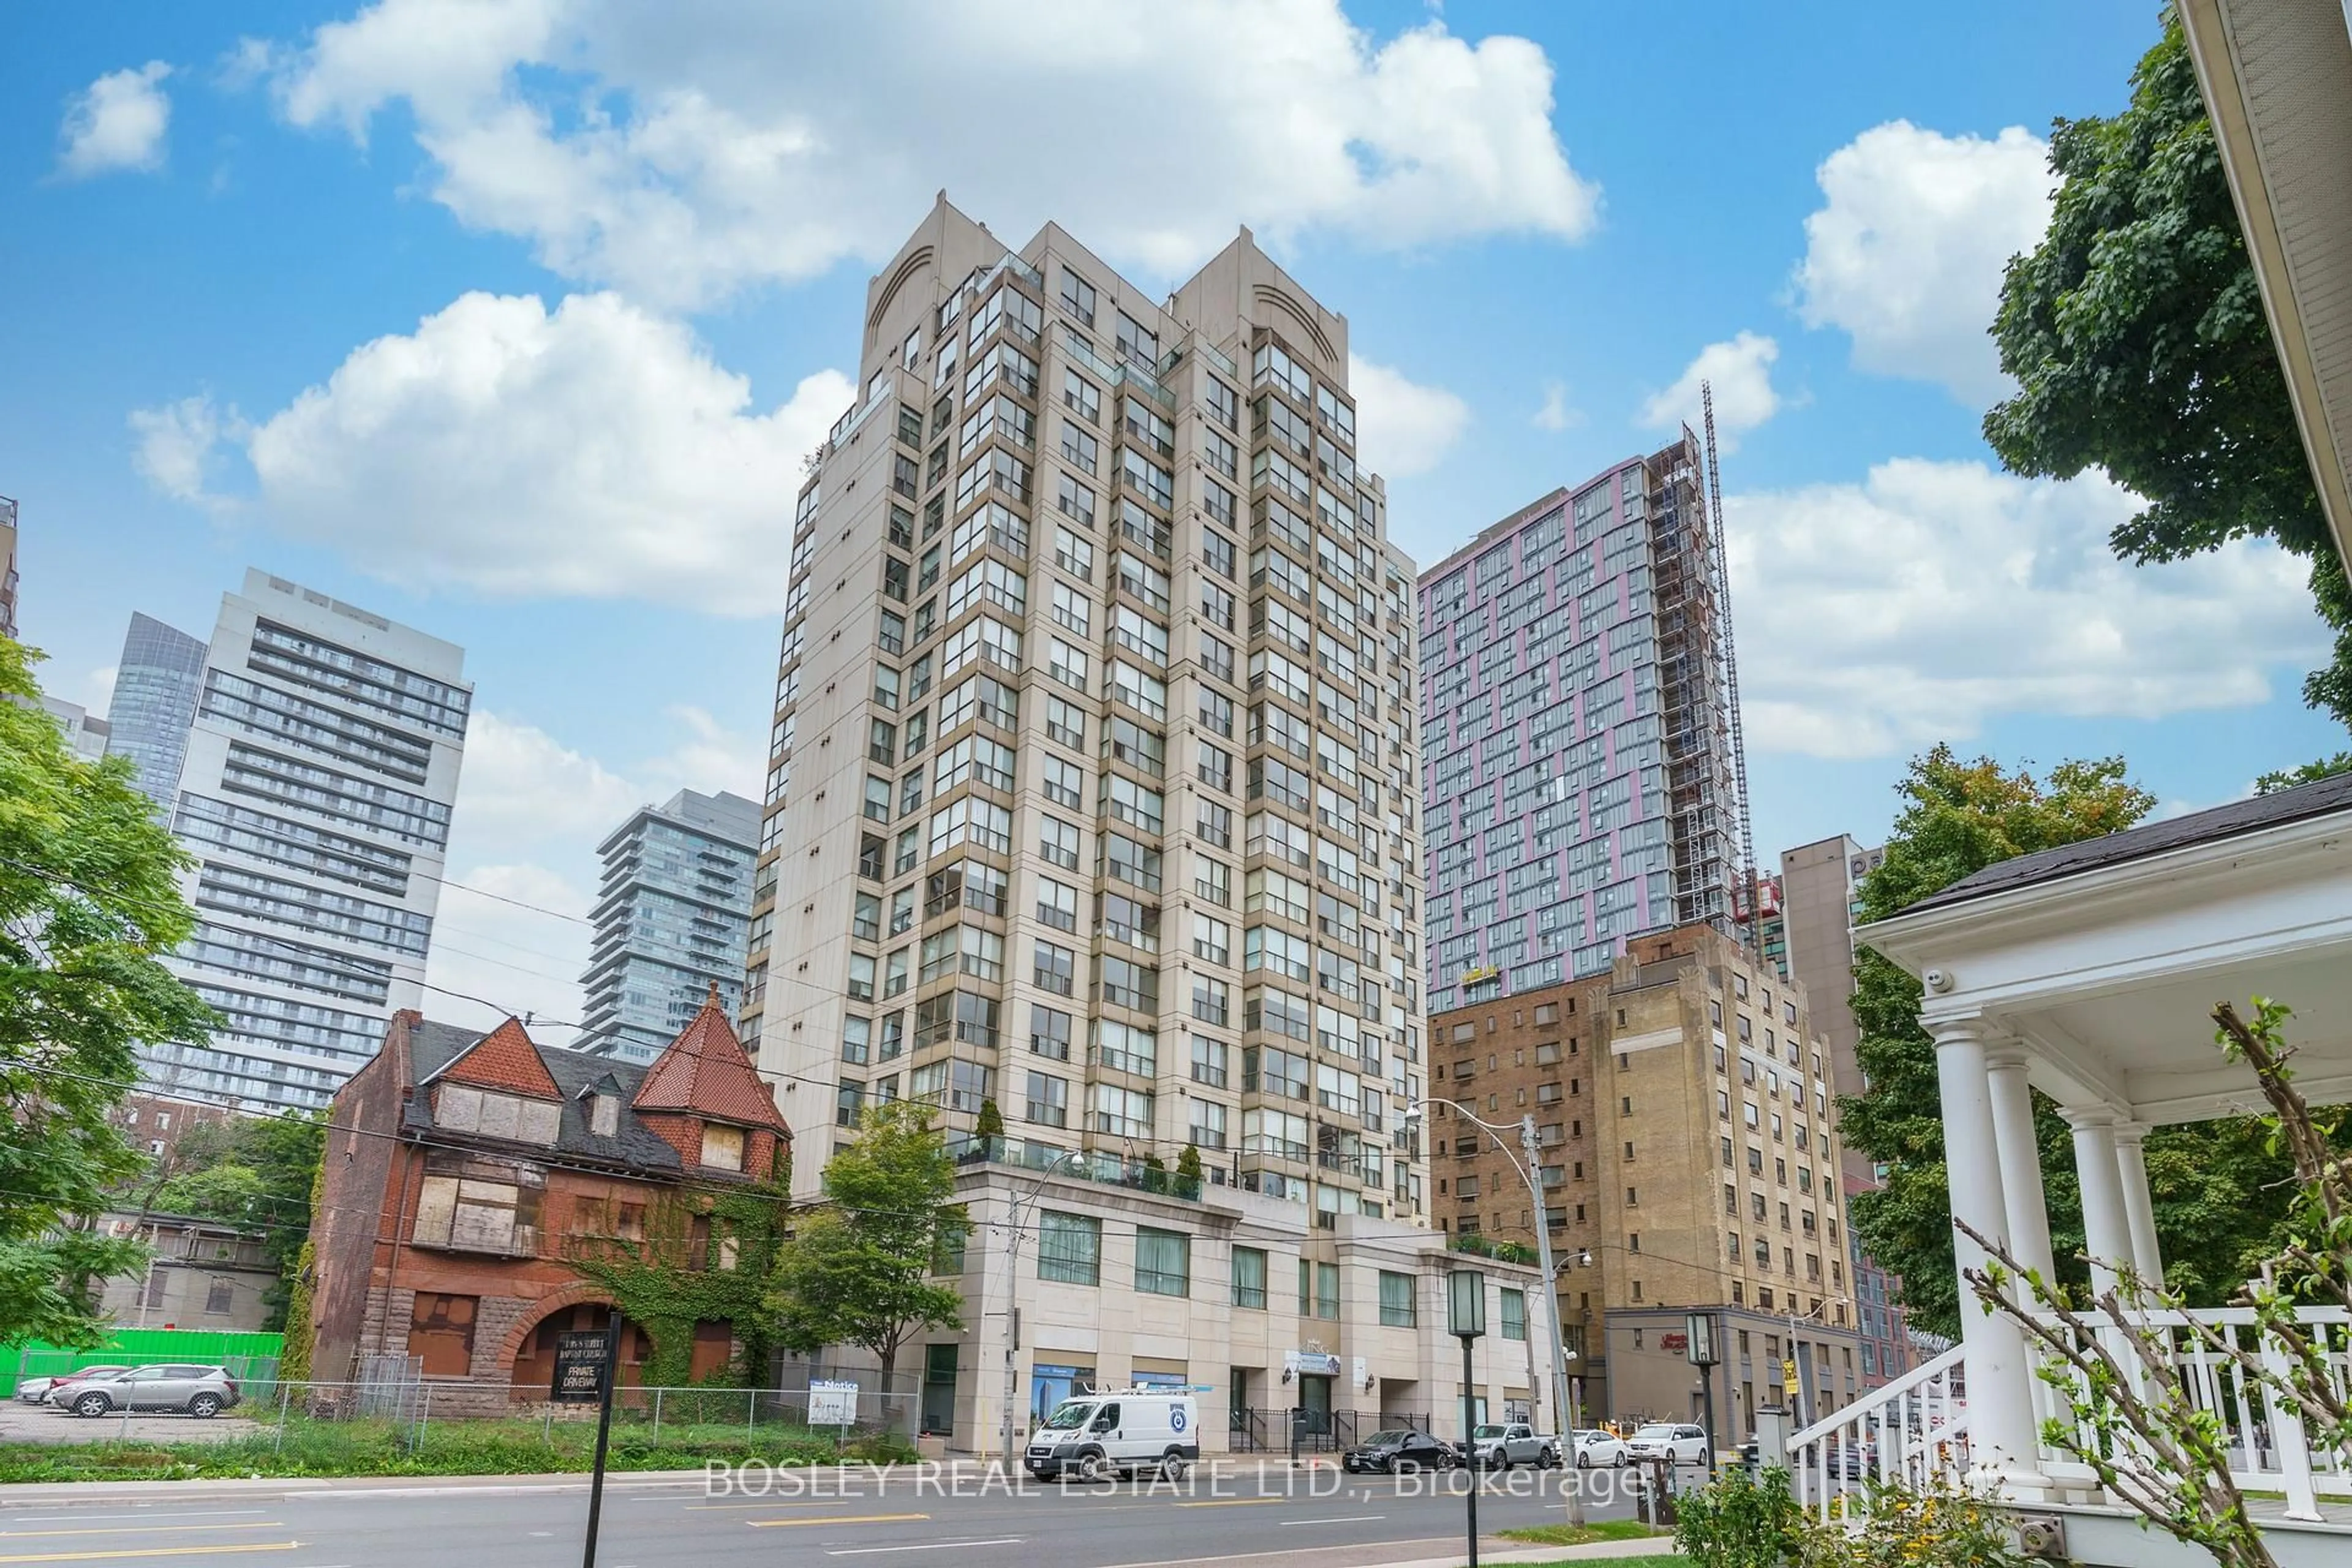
x,y
698,1415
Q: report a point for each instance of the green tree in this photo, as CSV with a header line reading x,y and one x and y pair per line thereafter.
x,y
858,1270
990,1122
89,902
2310,772
257,1171
1187,1165
2136,335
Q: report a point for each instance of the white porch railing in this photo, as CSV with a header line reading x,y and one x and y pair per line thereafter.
x,y
2266,1441
1908,1431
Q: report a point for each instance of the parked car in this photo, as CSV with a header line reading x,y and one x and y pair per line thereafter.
x,y
1596,1449
46,1390
202,1392
1400,1450
1501,1445
1682,1442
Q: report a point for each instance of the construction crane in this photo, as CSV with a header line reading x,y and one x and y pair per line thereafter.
x,y
1720,564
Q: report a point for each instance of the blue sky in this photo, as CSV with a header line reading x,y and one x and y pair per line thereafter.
x,y
289,286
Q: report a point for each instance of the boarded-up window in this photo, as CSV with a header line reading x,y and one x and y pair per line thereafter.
x,y
441,1332
728,1250
457,1108
220,1295
485,1216
435,1203
722,1147
604,1115
714,1347
540,1119
632,1226
500,1114
462,1109
475,1215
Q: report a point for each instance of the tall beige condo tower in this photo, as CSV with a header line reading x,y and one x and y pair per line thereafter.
x,y
1094,796
1094,787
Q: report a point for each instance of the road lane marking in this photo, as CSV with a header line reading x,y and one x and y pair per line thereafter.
x,y
1233,1502
140,1529
778,1502
836,1518
86,1518
927,1546
1341,1519
152,1552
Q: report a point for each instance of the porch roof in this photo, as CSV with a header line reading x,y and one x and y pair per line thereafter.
x,y
2105,959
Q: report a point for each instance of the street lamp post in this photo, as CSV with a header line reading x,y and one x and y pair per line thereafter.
x,y
1465,1314
1563,1412
1698,1328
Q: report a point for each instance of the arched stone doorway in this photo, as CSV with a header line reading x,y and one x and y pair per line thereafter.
x,y
529,1353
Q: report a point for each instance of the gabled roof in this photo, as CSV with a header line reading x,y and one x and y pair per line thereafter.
x,y
433,1047
506,1058
704,1073
2319,798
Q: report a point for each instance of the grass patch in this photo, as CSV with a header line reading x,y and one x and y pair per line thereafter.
x,y
1582,1534
333,1449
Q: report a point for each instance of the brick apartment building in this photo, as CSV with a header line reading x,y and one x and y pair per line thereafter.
x,y
1689,1157
463,1169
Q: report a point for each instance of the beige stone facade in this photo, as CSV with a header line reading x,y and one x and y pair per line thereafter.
x,y
1225,1293
1689,1149
1094,789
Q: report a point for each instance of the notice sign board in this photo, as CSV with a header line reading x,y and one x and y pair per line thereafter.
x,y
831,1404
579,1367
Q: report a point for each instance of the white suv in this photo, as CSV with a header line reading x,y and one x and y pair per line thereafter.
x,y
1682,1443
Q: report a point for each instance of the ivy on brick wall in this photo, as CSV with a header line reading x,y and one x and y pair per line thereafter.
x,y
302,1281
704,1257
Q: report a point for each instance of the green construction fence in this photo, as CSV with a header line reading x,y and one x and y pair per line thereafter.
x,y
249,1357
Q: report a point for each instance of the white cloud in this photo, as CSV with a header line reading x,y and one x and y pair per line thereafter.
x,y
118,121
1740,372
1556,414
597,451
1402,426
769,142
1906,256
176,446
1878,618
511,929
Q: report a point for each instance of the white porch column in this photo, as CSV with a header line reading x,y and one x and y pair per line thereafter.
x,y
2107,1227
2147,1257
2021,1158
2001,1403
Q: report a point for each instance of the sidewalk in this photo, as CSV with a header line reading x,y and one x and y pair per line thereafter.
x,y
1500,1554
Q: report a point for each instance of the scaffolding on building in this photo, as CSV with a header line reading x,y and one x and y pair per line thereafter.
x,y
1707,806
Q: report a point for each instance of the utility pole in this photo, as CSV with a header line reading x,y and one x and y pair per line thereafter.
x,y
1562,1415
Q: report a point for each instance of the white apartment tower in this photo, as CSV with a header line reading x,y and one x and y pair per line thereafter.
x,y
1094,781
321,762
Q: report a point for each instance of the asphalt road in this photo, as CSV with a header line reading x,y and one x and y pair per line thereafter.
x,y
969,1518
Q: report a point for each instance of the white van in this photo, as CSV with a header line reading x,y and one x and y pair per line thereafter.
x,y
1096,1437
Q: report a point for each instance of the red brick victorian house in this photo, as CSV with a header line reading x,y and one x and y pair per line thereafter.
x,y
465,1172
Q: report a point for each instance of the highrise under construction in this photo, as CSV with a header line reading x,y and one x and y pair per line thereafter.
x,y
1580,710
